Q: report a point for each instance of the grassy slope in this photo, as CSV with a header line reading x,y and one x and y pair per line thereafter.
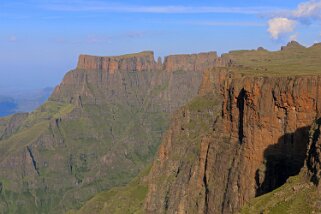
x,y
96,138
126,199
295,197
291,61
130,198
84,136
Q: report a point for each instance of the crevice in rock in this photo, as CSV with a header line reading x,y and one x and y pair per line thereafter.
x,y
205,181
34,163
80,101
166,206
231,171
70,164
240,106
111,133
282,160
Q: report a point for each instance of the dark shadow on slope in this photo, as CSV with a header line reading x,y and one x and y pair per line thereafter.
x,y
313,158
282,160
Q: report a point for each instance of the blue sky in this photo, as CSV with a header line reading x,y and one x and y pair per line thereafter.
x,y
40,40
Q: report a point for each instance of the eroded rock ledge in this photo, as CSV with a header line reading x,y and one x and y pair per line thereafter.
x,y
144,61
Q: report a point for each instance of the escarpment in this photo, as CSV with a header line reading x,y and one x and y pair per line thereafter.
x,y
256,143
194,62
143,61
239,130
99,129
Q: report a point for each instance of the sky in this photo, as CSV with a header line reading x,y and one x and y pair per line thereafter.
x,y
40,40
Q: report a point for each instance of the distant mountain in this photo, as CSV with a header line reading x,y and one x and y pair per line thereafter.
x,y
23,101
7,106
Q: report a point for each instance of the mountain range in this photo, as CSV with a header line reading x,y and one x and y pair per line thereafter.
x,y
197,133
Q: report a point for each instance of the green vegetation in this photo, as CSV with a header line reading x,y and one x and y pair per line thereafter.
x,y
126,199
294,60
295,197
203,102
63,154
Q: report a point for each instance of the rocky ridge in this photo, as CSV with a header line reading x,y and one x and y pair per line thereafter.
x,y
144,61
99,129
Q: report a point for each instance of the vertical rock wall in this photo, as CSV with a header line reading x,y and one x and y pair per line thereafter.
x,y
259,140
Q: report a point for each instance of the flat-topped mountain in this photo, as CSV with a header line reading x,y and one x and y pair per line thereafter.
x,y
101,126
144,61
218,131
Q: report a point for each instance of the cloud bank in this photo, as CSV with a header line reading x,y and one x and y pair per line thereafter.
x,y
306,13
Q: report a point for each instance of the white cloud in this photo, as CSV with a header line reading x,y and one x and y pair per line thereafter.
x,y
310,9
306,13
99,6
279,26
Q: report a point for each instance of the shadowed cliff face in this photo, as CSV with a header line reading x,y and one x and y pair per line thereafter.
x,y
313,161
259,140
301,192
281,160
99,129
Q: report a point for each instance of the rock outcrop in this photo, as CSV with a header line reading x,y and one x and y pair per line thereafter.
x,y
143,61
259,140
292,46
193,62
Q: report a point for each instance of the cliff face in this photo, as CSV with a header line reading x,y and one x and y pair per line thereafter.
x,y
99,129
257,142
193,62
143,61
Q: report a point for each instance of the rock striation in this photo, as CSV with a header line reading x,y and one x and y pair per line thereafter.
x,y
143,61
258,140
193,62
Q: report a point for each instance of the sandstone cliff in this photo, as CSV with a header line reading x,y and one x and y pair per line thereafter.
x,y
257,142
193,62
143,61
